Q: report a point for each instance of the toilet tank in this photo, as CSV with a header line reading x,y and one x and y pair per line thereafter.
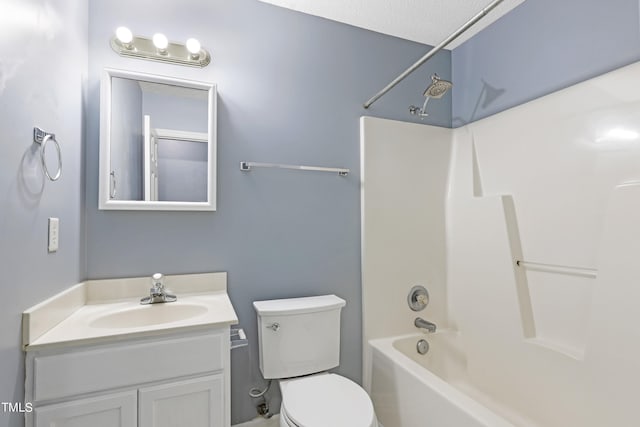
x,y
298,336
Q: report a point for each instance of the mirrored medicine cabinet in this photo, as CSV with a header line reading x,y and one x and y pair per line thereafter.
x,y
157,143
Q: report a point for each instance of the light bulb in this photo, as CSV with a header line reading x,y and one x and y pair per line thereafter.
x,y
124,35
160,41
193,46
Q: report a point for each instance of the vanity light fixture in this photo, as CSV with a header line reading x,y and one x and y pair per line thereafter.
x,y
159,48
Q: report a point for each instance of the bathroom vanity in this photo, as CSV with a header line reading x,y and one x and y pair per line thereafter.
x,y
96,357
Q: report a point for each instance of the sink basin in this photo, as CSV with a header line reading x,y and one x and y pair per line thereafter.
x,y
148,315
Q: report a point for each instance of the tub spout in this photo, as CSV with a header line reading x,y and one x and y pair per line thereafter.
x,y
424,324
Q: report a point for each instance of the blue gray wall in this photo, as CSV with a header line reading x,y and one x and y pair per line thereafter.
x,y
540,47
127,139
43,67
290,89
182,171
171,111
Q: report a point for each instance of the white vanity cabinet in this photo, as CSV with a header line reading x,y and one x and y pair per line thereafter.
x,y
112,410
174,379
194,402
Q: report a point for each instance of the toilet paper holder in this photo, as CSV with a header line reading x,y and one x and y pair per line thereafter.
x,y
238,338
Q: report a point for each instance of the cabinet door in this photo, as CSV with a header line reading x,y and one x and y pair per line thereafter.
x,y
114,410
195,403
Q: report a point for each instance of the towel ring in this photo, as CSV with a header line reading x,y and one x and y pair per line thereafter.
x,y
42,138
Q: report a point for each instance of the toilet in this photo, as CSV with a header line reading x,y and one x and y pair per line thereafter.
x,y
299,341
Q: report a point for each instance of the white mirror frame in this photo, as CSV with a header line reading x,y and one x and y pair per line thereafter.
x,y
104,201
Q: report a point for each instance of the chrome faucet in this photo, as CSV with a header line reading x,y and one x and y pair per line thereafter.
x,y
424,324
158,293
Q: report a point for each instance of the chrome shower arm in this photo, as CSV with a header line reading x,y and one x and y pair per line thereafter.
x,y
432,52
424,106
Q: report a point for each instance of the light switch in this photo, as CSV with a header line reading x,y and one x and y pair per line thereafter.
x,y
54,233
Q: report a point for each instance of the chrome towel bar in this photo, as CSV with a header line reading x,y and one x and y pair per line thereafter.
x,y
246,166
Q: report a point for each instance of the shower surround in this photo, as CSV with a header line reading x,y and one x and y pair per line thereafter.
x,y
554,184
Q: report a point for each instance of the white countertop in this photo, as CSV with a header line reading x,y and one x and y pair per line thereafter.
x,y
82,313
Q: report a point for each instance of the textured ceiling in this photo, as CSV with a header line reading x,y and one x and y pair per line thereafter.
x,y
424,21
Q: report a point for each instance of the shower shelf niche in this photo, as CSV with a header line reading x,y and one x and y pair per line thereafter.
x,y
553,299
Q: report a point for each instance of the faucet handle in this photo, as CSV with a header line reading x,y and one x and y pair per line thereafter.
x,y
418,298
156,280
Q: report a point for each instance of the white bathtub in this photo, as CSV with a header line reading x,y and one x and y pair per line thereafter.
x,y
432,390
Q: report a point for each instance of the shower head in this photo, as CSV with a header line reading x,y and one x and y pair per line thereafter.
x,y
437,88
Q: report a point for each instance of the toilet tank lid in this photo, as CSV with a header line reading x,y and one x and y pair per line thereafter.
x,y
298,305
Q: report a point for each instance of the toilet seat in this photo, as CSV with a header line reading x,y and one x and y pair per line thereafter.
x,y
326,400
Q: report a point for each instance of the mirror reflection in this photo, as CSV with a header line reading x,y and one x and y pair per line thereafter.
x,y
159,138
157,143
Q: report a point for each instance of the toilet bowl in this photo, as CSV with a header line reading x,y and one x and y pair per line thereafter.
x,y
324,400
299,342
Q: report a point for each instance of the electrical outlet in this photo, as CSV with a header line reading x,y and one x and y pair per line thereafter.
x,y
54,234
